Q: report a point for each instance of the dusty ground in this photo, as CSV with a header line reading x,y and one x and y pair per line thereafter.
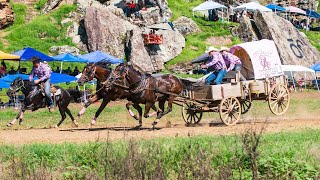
x,y
169,127
176,130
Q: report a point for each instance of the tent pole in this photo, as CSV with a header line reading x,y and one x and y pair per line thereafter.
x,y
294,83
61,67
305,77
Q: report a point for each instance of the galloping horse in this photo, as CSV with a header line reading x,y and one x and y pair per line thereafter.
x,y
34,99
101,74
146,89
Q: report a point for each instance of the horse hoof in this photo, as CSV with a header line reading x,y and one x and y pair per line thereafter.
x,y
56,126
9,124
75,124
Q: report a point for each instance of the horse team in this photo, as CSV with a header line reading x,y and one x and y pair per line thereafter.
x,y
124,82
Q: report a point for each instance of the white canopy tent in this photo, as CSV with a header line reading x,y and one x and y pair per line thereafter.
x,y
292,9
208,5
252,6
291,69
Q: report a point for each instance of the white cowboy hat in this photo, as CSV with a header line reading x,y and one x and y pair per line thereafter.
x,y
224,49
211,48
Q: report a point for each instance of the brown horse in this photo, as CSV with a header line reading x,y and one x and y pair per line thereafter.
x,y
94,71
146,89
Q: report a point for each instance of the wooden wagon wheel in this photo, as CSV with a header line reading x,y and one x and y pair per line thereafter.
x,y
279,99
191,113
230,110
245,106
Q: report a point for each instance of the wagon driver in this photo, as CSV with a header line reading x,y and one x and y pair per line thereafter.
x,y
233,62
216,64
43,72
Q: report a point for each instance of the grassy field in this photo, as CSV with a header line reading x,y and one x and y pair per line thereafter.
x,y
277,156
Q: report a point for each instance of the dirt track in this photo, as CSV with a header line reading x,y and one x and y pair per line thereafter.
x,y
115,133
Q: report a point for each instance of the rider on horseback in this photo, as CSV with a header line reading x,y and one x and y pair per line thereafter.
x,y
43,71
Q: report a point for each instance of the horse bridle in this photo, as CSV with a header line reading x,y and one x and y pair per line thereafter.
x,y
92,73
17,89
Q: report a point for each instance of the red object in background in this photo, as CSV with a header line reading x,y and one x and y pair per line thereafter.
x,y
132,6
152,39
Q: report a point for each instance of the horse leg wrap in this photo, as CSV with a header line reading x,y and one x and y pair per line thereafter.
x,y
153,114
93,121
21,115
82,111
12,122
131,113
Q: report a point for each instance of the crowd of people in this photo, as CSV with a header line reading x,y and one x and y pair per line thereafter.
x,y
5,71
219,63
68,71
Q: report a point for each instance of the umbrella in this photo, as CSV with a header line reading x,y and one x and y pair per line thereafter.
x,y
68,58
27,53
253,6
275,7
293,9
4,55
313,14
98,56
207,5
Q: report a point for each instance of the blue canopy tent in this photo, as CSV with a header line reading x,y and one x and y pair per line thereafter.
x,y
98,56
313,14
55,78
68,58
4,84
275,8
27,53
316,67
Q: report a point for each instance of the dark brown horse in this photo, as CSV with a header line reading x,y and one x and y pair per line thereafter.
x,y
146,89
101,74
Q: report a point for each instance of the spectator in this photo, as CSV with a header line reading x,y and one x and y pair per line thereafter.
x,y
67,71
75,71
57,70
12,71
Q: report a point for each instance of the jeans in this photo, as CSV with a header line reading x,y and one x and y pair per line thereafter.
x,y
238,68
47,91
217,77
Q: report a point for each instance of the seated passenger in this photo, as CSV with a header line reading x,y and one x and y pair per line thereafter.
x,y
215,64
233,62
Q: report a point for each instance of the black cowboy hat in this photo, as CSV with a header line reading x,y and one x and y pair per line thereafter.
x,y
34,59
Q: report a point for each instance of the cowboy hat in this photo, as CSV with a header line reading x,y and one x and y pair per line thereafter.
x,y
224,49
211,48
34,58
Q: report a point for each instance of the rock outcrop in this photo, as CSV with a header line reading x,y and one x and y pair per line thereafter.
x,y
105,31
186,26
50,5
65,49
6,14
150,58
245,30
293,46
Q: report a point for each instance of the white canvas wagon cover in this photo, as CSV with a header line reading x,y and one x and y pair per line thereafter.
x,y
260,59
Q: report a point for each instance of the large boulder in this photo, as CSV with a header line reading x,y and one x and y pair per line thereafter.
x,y
186,26
6,14
150,58
65,49
151,16
106,31
50,5
245,30
293,46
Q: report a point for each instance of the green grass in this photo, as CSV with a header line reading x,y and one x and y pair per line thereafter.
x,y
50,25
39,5
20,11
281,155
314,38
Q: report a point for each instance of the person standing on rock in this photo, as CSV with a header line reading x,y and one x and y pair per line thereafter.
x,y
215,64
